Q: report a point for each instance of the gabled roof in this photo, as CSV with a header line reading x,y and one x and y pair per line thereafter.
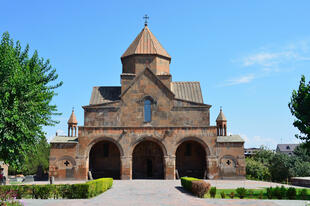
x,y
72,119
64,139
152,76
146,43
286,147
231,138
189,91
102,95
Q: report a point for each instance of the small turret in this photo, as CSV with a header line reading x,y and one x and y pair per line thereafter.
x,y
72,125
221,124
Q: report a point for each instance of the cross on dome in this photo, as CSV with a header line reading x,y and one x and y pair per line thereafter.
x,y
146,17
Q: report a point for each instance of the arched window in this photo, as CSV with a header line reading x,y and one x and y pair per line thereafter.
x,y
147,110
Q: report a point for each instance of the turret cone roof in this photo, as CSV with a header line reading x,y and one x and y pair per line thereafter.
x,y
72,119
221,116
146,43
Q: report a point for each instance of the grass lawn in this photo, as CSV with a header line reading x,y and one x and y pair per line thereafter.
x,y
251,194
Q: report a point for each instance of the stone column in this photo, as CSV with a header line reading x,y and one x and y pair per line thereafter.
x,y
126,167
212,167
169,167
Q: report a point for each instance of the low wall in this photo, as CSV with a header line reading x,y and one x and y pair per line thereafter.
x,y
301,181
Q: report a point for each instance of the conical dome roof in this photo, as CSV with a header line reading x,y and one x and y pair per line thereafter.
x,y
146,43
72,119
221,116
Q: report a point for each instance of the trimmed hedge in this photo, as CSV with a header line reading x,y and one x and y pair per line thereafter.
x,y
200,188
196,186
74,191
186,182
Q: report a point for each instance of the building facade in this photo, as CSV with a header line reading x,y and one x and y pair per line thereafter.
x,y
286,148
149,127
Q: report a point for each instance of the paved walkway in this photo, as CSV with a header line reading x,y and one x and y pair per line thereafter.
x,y
164,193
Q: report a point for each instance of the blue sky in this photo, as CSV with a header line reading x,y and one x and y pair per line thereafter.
x,y
247,55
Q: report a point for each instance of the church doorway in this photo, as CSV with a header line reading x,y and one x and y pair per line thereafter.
x,y
191,160
147,161
104,160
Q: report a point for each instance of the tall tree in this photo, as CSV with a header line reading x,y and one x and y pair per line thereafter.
x,y
300,108
27,87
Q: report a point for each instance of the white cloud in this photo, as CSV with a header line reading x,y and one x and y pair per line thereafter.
x,y
268,60
275,58
258,141
240,80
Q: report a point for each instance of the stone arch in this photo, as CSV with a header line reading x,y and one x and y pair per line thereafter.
x,y
195,139
228,166
104,158
99,139
68,158
152,139
148,159
66,164
191,154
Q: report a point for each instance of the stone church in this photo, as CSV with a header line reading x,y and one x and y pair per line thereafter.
x,y
148,128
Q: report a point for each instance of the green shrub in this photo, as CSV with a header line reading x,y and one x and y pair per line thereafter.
x,y
98,186
223,195
213,192
291,193
269,192
186,182
200,188
42,191
74,191
251,193
276,192
260,196
232,195
241,192
282,192
303,194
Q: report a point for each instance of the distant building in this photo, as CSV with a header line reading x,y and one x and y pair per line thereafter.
x,y
286,148
249,152
5,169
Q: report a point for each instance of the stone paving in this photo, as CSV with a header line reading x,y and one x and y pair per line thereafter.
x,y
166,193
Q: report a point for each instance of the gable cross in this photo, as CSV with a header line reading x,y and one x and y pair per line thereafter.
x,y
66,163
228,162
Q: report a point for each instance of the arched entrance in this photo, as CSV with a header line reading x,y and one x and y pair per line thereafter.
x,y
104,160
147,161
191,159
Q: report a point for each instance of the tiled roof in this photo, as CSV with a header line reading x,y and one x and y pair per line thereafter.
x,y
64,139
72,119
221,116
286,147
146,43
104,94
187,91
231,138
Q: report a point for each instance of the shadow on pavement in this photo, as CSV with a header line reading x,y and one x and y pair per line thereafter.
x,y
181,189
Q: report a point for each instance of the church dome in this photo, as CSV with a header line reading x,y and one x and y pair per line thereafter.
x,y
146,43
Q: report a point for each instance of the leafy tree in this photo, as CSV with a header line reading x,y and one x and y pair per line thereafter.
x,y
257,170
298,167
279,167
299,106
26,89
264,156
34,160
302,152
